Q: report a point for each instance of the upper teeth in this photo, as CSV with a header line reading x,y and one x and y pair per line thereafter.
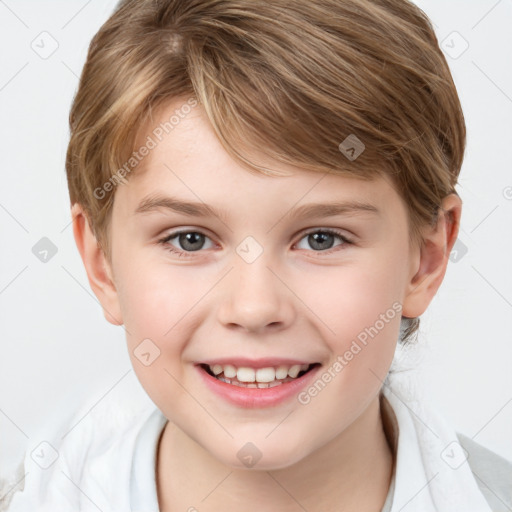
x,y
269,374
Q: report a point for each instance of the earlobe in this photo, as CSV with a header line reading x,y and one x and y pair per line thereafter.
x,y
430,267
96,265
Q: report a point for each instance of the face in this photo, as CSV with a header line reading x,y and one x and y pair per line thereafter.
x,y
258,284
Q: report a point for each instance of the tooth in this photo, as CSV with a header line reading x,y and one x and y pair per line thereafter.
x,y
265,374
252,385
294,371
263,384
230,371
274,384
282,372
244,374
261,375
216,369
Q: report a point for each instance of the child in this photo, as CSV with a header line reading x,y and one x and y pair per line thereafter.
x,y
261,131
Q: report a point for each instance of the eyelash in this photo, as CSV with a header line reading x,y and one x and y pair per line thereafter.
x,y
164,241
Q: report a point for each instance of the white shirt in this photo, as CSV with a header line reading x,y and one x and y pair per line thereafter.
x,y
108,462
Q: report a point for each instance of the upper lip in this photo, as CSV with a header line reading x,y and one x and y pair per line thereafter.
x,y
264,362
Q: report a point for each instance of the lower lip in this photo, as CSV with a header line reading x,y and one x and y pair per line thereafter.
x,y
257,397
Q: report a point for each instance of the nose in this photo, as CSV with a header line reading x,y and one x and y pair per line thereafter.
x,y
255,298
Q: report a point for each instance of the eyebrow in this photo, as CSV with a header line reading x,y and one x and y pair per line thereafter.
x,y
196,209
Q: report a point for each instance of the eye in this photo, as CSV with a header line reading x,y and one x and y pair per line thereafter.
x,y
190,241
321,240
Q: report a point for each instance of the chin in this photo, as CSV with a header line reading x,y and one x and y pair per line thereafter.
x,y
260,456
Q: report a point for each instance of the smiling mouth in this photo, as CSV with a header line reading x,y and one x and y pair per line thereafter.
x,y
257,378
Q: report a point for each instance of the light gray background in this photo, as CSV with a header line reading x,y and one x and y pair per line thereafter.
x,y
58,351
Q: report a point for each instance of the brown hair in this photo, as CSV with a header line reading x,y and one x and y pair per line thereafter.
x,y
296,78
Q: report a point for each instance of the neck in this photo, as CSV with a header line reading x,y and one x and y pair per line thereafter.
x,y
350,473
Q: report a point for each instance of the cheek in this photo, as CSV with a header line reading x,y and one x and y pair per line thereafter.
x,y
359,311
360,324
154,299
157,305
352,297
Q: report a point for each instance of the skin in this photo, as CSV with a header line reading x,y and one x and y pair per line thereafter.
x,y
294,300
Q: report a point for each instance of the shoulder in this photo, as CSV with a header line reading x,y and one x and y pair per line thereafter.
x,y
75,458
492,472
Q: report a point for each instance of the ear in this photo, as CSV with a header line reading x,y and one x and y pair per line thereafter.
x,y
96,265
432,260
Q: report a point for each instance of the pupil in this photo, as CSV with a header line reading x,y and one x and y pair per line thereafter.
x,y
189,241
318,240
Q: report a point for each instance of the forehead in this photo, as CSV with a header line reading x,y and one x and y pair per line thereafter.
x,y
187,161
